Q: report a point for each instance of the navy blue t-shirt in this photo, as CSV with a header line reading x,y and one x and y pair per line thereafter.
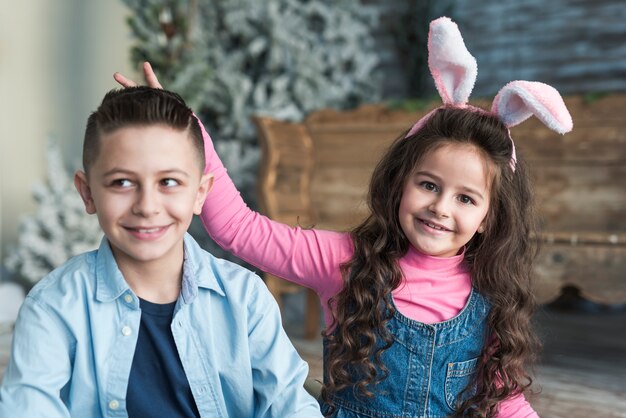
x,y
158,386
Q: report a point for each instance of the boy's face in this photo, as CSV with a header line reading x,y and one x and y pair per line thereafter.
x,y
145,186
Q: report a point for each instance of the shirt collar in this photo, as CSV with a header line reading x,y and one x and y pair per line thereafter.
x,y
110,283
197,273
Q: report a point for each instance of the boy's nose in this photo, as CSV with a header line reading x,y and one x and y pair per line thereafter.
x,y
147,203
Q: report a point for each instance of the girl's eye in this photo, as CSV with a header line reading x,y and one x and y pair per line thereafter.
x,y
122,183
466,199
169,182
427,185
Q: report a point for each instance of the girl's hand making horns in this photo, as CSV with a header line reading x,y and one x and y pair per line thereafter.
x,y
149,76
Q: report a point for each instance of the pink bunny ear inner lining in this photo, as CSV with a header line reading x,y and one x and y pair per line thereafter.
x,y
511,107
519,100
514,111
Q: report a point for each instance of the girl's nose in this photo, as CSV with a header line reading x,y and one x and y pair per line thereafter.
x,y
440,207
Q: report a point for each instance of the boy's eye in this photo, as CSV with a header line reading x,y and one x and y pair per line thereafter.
x,y
170,182
123,183
427,185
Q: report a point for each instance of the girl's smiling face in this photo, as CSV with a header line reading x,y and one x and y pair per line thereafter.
x,y
446,200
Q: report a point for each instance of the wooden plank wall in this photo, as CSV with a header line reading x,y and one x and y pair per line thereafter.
x,y
579,179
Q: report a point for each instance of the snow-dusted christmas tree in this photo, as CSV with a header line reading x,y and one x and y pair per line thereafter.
x,y
59,229
230,59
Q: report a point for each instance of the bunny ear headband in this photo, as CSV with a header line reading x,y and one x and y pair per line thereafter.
x,y
454,71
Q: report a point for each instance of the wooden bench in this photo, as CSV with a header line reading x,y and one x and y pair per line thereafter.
x,y
316,173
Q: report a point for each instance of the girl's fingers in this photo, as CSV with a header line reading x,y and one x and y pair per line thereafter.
x,y
123,81
151,78
148,73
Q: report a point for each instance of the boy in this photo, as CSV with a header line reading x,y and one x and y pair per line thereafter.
x,y
150,325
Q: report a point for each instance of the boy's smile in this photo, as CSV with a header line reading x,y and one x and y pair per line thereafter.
x,y
445,202
145,186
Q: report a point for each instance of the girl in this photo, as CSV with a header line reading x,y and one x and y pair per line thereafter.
x,y
428,302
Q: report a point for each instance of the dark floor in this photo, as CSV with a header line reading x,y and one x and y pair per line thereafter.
x,y
583,366
582,372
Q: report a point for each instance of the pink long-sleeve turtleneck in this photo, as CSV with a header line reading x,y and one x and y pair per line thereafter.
x,y
433,289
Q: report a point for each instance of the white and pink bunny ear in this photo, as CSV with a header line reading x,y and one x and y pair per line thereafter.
x,y
451,65
519,100
453,68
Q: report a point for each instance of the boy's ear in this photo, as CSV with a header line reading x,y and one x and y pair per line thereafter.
x,y
206,184
82,186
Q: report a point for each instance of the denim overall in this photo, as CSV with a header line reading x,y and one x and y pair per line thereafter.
x,y
429,366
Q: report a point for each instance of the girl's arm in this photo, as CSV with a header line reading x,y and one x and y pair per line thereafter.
x,y
308,257
516,407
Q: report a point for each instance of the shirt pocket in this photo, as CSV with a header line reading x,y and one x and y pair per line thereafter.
x,y
458,376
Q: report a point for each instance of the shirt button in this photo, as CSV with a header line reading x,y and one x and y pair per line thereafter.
x,y
114,404
126,331
128,298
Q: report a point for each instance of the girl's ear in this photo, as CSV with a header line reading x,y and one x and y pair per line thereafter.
x,y
483,225
206,184
519,100
82,186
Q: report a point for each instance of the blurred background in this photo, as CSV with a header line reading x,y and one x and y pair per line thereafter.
x,y
231,59
56,62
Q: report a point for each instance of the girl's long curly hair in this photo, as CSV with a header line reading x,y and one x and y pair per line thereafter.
x,y
499,261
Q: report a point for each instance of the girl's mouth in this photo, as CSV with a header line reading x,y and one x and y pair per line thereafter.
x,y
434,226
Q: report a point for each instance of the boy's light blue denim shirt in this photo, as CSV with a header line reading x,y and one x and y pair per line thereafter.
x,y
76,333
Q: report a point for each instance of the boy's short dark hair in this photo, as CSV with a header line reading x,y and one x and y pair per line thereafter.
x,y
140,106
